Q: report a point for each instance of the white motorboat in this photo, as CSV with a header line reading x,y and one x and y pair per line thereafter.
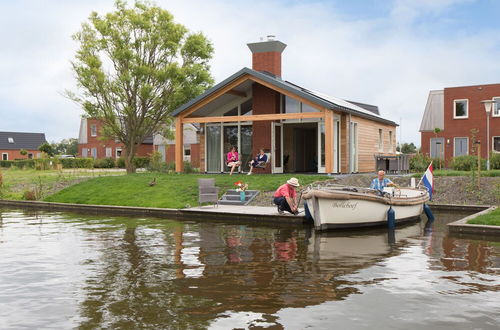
x,y
347,207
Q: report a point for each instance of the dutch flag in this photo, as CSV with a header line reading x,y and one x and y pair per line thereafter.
x,y
428,180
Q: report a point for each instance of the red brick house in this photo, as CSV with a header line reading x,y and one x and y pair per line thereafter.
x,y
303,130
456,111
91,144
11,144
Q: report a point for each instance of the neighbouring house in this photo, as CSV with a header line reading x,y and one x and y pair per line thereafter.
x,y
302,130
455,111
11,144
92,144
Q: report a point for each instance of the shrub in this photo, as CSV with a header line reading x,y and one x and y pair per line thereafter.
x,y
466,163
120,163
495,161
42,164
77,162
104,163
29,195
141,162
188,168
155,161
419,162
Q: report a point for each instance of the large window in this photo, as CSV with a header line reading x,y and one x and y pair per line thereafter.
x,y
93,130
496,107
496,143
460,109
291,105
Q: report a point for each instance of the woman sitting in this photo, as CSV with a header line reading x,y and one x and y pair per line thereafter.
x,y
232,159
258,161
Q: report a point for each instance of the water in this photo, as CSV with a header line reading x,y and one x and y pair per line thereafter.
x,y
61,270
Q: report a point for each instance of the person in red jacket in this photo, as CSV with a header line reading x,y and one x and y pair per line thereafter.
x,y
286,197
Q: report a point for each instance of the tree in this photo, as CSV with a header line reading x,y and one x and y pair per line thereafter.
x,y
47,148
134,67
408,148
66,147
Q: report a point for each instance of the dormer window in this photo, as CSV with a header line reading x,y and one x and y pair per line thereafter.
x,y
11,140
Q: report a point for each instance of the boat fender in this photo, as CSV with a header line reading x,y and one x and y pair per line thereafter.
x,y
391,218
428,213
307,214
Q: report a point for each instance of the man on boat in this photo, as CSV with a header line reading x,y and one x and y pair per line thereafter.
x,y
286,197
381,182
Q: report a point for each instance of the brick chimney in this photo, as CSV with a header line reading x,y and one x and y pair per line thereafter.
x,y
266,55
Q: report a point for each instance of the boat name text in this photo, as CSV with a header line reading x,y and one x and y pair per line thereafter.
x,y
345,205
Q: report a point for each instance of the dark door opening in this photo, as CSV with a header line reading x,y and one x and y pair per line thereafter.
x,y
300,149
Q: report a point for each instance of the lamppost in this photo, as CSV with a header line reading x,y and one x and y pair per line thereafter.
x,y
487,108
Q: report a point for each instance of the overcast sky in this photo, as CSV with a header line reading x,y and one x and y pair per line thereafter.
x,y
387,53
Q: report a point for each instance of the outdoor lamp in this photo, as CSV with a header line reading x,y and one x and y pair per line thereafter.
x,y
487,108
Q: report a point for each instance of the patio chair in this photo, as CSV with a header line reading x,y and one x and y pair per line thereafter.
x,y
208,192
263,165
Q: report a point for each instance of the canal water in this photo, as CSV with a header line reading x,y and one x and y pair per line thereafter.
x,y
62,270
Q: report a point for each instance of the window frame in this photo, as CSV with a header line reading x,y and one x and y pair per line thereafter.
x,y
380,140
455,110
93,130
455,143
497,105
493,144
5,154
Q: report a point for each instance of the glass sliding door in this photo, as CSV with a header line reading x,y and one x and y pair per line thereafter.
x,y
336,145
321,147
245,149
229,140
214,154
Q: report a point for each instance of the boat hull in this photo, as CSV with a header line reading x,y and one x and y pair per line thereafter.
x,y
347,209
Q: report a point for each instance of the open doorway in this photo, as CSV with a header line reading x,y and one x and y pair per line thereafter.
x,y
300,147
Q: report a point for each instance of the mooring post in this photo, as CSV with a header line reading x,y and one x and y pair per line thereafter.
x,y
428,213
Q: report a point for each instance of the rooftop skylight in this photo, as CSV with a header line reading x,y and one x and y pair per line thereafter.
x,y
11,140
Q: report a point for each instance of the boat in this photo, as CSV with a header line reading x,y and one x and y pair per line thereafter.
x,y
348,207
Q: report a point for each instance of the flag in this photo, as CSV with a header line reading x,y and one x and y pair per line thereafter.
x,y
428,180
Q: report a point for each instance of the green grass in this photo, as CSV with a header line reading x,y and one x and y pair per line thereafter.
x,y
171,190
16,181
490,173
492,219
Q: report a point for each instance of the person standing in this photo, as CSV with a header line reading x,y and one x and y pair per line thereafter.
x,y
232,159
285,197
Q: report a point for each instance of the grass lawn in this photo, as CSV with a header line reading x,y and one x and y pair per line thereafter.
x,y
492,219
171,190
17,181
490,173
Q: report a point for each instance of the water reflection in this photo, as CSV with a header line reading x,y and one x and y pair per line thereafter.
x,y
114,272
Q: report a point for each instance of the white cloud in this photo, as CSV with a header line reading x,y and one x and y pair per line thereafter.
x,y
391,61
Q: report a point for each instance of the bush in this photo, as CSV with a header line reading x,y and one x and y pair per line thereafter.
x,y
141,162
188,168
120,163
42,164
104,163
155,162
419,163
466,163
77,162
495,161
30,195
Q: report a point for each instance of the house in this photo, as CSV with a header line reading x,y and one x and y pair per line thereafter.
x,y
92,144
11,144
303,130
455,111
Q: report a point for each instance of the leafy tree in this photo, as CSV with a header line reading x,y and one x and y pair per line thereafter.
x,y
47,148
134,67
66,147
408,148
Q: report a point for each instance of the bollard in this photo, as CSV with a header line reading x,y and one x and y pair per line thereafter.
x,y
428,213
391,218
307,214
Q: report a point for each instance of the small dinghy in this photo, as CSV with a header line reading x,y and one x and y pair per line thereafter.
x,y
348,207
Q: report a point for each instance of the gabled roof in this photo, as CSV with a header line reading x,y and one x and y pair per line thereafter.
x,y
318,98
19,140
434,112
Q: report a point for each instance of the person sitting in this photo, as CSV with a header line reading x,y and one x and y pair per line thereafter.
x,y
285,197
258,161
381,182
232,159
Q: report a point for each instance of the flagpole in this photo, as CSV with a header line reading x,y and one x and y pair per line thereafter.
x,y
424,174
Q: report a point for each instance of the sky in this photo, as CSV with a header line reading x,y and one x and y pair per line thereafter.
x,y
388,53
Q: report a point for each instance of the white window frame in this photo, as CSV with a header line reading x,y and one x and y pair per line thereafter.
x,y
455,143
93,153
380,140
5,154
110,153
85,152
116,152
496,105
493,143
93,130
466,109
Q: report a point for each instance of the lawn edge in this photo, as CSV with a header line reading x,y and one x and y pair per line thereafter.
x,y
461,226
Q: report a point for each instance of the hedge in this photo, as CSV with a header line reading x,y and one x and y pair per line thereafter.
x,y
466,163
77,162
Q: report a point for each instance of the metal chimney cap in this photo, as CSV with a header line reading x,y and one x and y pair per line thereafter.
x,y
267,46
